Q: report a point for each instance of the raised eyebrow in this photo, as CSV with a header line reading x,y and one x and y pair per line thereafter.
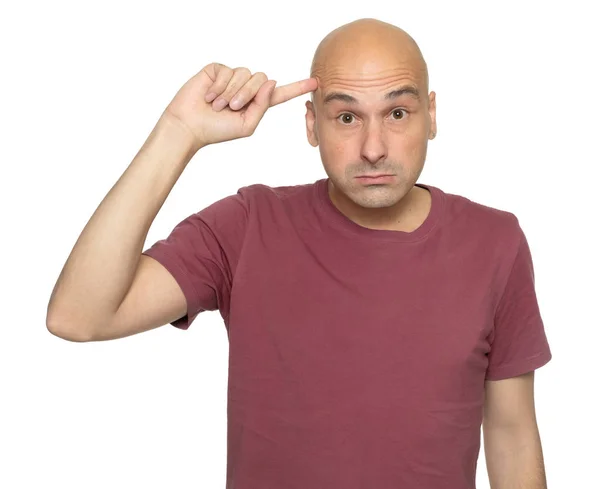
x,y
349,99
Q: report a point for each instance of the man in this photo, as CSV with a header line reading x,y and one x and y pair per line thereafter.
x,y
374,323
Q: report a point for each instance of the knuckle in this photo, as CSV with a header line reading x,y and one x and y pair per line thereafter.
x,y
237,83
231,89
225,72
221,68
243,70
223,79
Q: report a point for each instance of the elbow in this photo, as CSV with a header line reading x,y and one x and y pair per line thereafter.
x,y
74,334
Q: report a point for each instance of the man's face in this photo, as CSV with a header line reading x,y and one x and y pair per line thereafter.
x,y
380,132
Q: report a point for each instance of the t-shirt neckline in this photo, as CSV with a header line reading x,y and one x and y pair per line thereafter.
x,y
346,225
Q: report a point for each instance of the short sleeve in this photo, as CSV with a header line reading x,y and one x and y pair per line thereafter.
x,y
201,253
518,343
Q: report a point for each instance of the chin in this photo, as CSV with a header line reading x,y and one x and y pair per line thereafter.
x,y
376,197
377,202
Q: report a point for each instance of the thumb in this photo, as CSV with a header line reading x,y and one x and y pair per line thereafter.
x,y
260,103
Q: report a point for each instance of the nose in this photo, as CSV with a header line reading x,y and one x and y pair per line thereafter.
x,y
374,147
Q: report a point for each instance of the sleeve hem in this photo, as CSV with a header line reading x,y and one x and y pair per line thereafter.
x,y
186,285
515,369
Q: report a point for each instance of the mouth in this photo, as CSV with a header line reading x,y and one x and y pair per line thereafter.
x,y
376,176
373,179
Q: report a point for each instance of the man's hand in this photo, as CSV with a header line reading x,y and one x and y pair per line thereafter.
x,y
219,103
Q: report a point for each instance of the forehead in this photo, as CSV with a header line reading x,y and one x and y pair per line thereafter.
x,y
369,80
410,91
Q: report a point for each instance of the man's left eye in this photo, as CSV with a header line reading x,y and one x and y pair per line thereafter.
x,y
400,110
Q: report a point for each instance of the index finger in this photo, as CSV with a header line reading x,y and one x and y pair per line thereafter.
x,y
292,90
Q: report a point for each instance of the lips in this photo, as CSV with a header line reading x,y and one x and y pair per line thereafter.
x,y
375,179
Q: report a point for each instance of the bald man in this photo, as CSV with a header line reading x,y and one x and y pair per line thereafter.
x,y
375,324
373,160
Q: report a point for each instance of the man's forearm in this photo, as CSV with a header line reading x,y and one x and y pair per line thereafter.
x,y
514,458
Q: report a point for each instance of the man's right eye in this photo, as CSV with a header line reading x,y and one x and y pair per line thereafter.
x,y
346,115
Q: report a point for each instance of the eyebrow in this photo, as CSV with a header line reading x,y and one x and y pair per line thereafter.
x,y
344,97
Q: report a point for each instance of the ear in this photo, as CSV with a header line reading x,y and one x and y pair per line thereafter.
x,y
311,132
433,129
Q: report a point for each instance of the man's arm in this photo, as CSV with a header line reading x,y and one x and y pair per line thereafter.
x,y
512,443
104,260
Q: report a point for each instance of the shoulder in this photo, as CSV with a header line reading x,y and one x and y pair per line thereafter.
x,y
481,231
282,192
478,219
250,196
258,196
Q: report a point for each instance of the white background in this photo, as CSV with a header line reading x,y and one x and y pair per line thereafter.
x,y
82,86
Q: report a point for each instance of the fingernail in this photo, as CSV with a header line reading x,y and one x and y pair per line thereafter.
x,y
210,96
219,104
235,103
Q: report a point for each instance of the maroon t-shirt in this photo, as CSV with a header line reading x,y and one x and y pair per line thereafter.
x,y
357,357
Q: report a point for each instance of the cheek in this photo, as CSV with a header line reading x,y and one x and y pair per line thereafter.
x,y
337,152
330,142
408,153
338,143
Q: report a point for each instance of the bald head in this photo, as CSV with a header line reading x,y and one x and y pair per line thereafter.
x,y
368,48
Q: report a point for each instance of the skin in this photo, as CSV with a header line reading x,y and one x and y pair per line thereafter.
x,y
366,59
